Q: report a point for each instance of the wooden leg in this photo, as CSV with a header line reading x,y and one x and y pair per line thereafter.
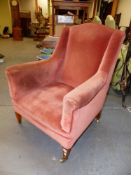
x,y
123,99
65,155
123,87
18,117
98,117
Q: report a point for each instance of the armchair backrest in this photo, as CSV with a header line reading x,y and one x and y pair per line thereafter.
x,y
86,46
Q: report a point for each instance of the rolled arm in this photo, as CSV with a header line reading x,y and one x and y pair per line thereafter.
x,y
24,77
81,96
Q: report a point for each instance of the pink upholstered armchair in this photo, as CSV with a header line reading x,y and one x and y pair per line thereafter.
x,y
63,95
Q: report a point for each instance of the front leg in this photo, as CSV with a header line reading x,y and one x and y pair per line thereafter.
x,y
98,117
18,117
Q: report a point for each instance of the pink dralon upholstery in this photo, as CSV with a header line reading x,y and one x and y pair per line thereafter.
x,y
63,95
80,54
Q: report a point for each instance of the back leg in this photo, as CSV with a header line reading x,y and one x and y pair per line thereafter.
x,y
18,117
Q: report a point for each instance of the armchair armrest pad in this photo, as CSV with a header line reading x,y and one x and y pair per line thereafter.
x,y
81,96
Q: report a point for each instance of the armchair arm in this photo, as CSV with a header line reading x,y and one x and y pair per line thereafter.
x,y
81,96
30,75
24,77
111,54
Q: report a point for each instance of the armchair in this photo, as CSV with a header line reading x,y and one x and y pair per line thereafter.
x,y
63,95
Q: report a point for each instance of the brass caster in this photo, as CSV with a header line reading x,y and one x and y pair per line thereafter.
x,y
62,160
98,117
97,121
65,155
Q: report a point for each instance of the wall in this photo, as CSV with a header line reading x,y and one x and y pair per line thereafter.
x,y
124,7
25,5
44,5
5,17
29,5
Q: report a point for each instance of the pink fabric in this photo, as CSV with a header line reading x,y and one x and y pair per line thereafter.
x,y
81,96
86,114
45,103
24,78
80,119
62,96
111,54
81,59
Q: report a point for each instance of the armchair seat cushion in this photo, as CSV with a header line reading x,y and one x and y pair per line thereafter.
x,y
49,98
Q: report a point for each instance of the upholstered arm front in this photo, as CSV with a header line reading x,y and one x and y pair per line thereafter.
x,y
81,96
